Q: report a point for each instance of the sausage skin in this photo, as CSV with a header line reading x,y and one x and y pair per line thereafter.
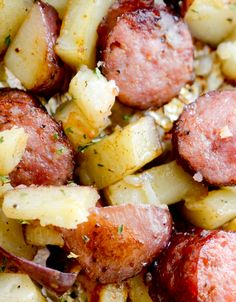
x,y
148,52
198,267
48,158
204,137
118,241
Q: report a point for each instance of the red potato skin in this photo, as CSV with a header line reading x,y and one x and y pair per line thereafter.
x,y
43,163
197,267
57,75
148,52
198,142
118,241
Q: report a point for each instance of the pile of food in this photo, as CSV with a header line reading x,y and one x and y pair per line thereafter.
x,y
118,151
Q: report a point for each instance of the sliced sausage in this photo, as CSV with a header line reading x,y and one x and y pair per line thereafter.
x,y
205,137
48,159
149,53
118,241
198,267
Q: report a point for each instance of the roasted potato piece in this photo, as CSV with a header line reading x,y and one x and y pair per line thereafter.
x,y
63,206
113,293
87,114
18,288
230,226
37,235
12,14
76,44
31,57
120,154
138,291
165,184
12,147
211,20
59,5
212,211
117,242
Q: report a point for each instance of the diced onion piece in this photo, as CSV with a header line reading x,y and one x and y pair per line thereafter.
x,y
63,206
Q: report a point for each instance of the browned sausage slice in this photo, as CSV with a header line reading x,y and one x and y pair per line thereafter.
x,y
48,159
149,53
199,267
205,137
118,241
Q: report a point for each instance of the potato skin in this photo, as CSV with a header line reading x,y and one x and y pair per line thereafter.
x,y
117,242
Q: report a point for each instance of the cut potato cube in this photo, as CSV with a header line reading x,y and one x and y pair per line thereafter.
x,y
18,288
62,206
138,291
12,147
212,211
114,293
59,5
211,20
120,154
165,184
87,114
76,44
12,14
37,235
227,54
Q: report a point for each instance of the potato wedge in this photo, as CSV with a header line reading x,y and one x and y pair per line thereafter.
x,y
212,211
165,184
113,293
63,206
120,154
76,44
12,15
18,288
12,147
211,20
87,114
37,235
59,5
31,57
138,291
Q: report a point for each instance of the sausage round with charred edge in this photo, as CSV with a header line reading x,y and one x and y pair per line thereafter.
x,y
198,267
148,52
48,158
117,242
204,137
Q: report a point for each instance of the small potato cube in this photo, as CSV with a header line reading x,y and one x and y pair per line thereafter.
x,y
12,147
165,184
87,114
62,206
120,154
138,291
18,288
212,211
114,293
76,44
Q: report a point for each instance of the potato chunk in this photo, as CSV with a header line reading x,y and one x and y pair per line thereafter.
x,y
18,288
12,147
211,20
212,211
87,114
138,291
114,293
120,154
12,14
64,206
76,44
165,184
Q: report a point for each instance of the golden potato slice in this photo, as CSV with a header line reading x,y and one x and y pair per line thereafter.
x,y
31,57
165,184
120,154
63,206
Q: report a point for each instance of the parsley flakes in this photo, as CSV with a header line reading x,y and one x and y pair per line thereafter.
x,y
7,40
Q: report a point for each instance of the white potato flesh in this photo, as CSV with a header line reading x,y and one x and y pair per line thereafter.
x,y
211,20
88,113
12,147
212,211
165,184
76,44
120,154
62,206
12,14
27,53
18,288
114,293
138,291
59,5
